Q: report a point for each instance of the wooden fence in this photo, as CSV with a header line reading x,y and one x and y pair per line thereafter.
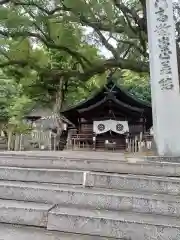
x,y
35,140
140,143
47,140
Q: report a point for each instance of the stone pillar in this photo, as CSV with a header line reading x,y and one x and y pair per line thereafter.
x,y
164,77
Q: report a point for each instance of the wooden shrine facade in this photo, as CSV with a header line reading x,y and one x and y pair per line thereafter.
x,y
112,108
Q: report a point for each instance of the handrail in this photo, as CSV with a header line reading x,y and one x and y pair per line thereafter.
x,y
79,136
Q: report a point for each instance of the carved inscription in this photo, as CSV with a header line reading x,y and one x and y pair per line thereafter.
x,y
163,33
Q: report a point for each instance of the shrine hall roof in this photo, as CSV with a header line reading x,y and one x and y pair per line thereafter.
x,y
111,91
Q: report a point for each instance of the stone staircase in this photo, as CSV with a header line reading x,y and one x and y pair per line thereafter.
x,y
63,198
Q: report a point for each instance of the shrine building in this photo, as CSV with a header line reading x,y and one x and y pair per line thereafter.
x,y
107,118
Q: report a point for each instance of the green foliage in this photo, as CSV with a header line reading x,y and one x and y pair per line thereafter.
x,y
81,91
19,50
48,42
7,93
137,84
19,107
14,105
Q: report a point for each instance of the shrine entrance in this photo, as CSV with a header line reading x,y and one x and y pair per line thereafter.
x,y
108,120
111,141
110,134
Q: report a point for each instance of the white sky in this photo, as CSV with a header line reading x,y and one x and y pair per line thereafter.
x,y
102,49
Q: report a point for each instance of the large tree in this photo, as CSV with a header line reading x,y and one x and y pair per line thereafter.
x,y
117,25
51,47
42,22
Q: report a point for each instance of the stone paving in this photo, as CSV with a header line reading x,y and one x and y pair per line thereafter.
x,y
82,155
71,154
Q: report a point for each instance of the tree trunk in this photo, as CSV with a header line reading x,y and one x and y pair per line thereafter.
x,y
9,139
57,110
17,142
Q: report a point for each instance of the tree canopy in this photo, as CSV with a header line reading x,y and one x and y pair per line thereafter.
x,y
57,25
55,49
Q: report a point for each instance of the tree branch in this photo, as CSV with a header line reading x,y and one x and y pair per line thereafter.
x,y
102,38
97,68
4,2
72,53
83,20
44,10
114,63
19,3
100,68
133,44
126,10
101,26
21,63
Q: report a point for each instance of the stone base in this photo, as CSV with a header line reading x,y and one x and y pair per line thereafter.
x,y
99,198
41,175
154,147
157,158
12,232
24,213
121,225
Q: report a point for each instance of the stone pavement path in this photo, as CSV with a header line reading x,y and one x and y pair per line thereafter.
x,y
81,155
71,154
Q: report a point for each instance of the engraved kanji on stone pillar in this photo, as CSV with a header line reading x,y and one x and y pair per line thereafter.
x,y
164,76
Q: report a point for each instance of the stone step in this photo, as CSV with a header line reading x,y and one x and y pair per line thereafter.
x,y
151,184
113,224
52,157
17,232
103,223
163,159
49,155
41,175
91,198
141,183
67,154
24,213
113,166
